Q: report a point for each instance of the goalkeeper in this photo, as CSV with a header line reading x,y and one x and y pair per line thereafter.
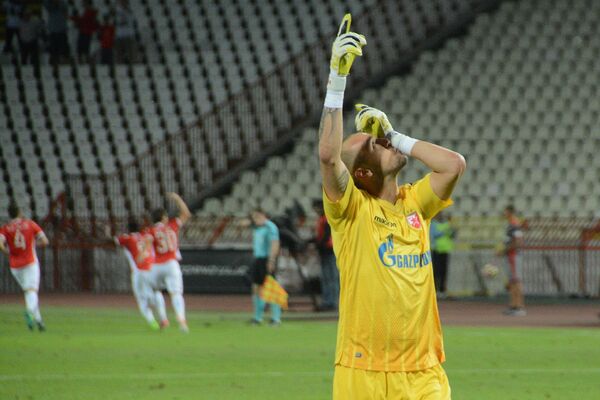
x,y
389,343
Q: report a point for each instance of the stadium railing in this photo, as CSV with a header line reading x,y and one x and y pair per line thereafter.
x,y
561,256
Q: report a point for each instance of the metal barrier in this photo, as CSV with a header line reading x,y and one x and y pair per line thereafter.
x,y
561,255
75,268
546,271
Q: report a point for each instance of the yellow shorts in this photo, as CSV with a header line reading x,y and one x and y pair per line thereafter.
x,y
359,384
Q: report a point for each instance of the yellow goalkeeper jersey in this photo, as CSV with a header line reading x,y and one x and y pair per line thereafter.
x,y
388,318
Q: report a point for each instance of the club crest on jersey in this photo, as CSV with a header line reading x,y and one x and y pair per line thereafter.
x,y
413,220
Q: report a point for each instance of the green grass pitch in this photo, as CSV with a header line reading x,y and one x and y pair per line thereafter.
x,y
109,354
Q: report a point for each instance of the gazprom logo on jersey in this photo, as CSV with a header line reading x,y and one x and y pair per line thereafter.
x,y
389,259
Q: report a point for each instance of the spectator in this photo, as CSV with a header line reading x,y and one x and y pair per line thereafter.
x,y
124,33
87,24
330,278
13,10
30,32
288,225
512,250
58,42
441,237
107,40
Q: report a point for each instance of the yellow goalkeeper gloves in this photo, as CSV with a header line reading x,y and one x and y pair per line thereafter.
x,y
346,47
374,122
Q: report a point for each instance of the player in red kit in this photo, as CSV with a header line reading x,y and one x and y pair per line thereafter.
x,y
139,251
18,239
166,272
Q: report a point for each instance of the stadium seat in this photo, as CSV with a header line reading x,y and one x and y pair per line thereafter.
x,y
527,128
189,49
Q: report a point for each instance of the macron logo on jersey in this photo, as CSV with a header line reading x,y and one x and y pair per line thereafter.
x,y
385,222
390,260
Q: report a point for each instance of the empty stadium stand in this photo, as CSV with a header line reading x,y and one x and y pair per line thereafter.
x,y
516,96
235,75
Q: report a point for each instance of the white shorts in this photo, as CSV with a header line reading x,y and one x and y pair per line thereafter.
x,y
28,276
168,276
140,283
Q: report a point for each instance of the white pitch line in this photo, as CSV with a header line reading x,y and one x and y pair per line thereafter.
x,y
524,370
151,376
208,375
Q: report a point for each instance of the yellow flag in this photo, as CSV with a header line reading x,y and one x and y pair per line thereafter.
x,y
272,292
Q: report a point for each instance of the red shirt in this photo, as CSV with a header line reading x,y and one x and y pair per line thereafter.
x,y
86,23
139,247
107,36
20,235
323,234
166,242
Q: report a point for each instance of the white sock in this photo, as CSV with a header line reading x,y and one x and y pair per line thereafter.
x,y
178,306
31,303
159,305
146,311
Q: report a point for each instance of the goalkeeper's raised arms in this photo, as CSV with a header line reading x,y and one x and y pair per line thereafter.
x,y
447,166
374,122
346,47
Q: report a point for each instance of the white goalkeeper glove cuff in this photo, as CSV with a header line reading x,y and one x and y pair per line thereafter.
x,y
401,141
335,90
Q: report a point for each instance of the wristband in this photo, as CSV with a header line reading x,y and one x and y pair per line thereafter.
x,y
401,142
336,82
335,91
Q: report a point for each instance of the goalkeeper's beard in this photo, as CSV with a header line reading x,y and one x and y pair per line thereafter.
x,y
389,163
399,162
387,174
